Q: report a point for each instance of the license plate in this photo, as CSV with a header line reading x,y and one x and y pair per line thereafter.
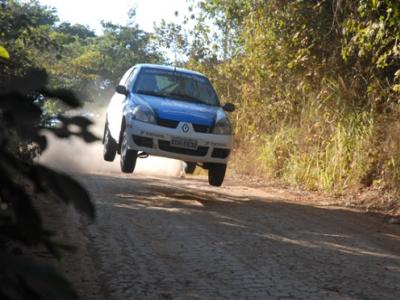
x,y
184,143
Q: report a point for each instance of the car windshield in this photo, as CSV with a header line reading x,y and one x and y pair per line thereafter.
x,y
176,85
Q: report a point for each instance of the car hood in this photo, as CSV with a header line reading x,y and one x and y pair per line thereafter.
x,y
181,111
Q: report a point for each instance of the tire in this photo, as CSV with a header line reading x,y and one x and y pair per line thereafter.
x,y
190,167
128,157
109,145
216,174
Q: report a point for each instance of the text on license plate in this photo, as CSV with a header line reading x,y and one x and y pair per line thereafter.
x,y
184,143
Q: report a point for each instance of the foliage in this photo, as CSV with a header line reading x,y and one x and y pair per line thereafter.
x,y
76,30
321,155
74,56
4,53
21,181
77,61
316,84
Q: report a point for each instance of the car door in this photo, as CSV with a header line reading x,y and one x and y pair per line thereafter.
x,y
115,108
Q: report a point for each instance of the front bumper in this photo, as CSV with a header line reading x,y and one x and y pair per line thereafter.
x,y
156,140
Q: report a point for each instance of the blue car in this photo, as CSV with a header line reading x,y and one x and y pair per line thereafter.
x,y
168,112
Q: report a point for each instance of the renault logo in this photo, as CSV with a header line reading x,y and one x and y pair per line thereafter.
x,y
185,127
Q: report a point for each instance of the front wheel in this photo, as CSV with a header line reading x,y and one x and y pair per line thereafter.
x,y
216,174
128,157
109,145
190,167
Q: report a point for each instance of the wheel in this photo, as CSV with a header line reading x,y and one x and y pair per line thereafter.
x,y
128,157
190,167
216,174
109,145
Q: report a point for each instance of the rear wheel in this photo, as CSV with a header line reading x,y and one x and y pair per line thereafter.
x,y
109,145
190,167
128,157
216,174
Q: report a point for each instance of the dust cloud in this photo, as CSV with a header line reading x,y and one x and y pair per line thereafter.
x,y
74,155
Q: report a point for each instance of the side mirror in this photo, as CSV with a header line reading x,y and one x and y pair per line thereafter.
x,y
121,89
229,107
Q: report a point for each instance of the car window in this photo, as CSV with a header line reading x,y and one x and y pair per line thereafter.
x,y
130,80
124,78
176,85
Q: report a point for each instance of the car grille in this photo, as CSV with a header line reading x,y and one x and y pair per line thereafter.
x,y
166,146
167,123
174,124
201,128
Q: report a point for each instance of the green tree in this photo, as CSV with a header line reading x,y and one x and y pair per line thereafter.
x,y
79,30
309,77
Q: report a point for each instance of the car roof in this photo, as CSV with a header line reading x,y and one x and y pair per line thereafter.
x,y
168,68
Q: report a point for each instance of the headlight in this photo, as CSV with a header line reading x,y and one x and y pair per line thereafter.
x,y
222,126
143,114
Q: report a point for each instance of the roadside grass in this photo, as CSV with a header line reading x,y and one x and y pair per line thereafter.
x,y
348,152
324,150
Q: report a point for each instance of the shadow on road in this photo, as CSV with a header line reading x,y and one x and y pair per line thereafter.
x,y
330,249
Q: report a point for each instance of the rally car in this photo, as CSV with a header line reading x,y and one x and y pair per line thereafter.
x,y
170,112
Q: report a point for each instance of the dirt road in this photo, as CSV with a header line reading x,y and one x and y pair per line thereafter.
x,y
159,238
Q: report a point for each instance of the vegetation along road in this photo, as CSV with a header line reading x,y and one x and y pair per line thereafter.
x,y
163,238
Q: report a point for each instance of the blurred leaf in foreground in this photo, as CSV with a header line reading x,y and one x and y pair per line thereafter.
x,y
4,53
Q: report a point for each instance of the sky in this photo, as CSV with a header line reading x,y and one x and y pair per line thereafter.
x,y
91,12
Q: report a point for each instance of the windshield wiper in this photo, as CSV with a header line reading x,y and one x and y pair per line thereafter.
x,y
172,95
151,93
185,97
